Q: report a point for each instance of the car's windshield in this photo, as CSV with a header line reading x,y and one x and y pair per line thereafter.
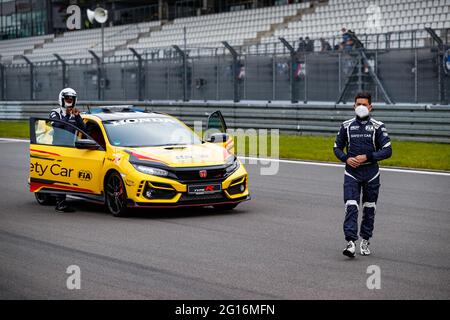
x,y
149,132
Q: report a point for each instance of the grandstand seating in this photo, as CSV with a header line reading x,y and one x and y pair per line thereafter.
x,y
9,48
211,30
75,44
256,26
370,17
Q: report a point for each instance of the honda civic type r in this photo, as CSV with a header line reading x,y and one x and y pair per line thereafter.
x,y
136,159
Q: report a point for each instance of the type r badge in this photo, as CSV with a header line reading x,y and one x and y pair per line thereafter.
x,y
202,173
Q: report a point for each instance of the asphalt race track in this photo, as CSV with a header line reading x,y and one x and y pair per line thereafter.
x,y
286,243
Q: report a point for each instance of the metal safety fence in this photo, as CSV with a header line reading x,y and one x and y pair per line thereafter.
x,y
414,75
417,122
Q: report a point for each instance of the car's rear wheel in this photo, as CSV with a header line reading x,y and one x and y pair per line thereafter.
x,y
116,195
225,207
45,199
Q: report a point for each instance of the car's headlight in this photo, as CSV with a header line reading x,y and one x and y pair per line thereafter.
x,y
233,165
151,170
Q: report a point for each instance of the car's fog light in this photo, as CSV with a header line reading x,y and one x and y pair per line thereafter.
x,y
149,193
242,188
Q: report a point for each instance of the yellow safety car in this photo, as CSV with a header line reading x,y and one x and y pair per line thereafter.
x,y
125,158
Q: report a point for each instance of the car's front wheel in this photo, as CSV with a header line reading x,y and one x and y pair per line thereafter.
x,y
45,199
116,195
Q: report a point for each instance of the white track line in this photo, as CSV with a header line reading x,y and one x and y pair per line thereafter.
x,y
327,164
13,140
310,163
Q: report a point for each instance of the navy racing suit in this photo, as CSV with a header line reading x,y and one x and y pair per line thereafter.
x,y
65,135
359,137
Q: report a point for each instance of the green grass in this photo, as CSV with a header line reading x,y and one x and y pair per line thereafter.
x,y
14,129
422,155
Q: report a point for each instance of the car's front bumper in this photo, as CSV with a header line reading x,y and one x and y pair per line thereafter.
x,y
182,204
169,193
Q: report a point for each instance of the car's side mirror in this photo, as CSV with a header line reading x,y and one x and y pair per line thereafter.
x,y
87,144
218,137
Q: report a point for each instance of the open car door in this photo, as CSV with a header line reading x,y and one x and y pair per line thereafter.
x,y
216,131
64,159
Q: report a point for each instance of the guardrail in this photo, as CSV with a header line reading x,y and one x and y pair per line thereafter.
x,y
406,122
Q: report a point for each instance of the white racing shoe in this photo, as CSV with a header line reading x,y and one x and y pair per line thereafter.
x,y
364,247
350,250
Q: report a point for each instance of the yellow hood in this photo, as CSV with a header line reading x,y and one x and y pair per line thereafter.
x,y
206,154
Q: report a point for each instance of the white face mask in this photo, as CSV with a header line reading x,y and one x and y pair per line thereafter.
x,y
361,111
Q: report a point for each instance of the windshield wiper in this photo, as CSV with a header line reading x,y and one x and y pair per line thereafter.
x,y
171,144
158,145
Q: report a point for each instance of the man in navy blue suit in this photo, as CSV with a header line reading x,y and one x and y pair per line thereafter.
x,y
366,142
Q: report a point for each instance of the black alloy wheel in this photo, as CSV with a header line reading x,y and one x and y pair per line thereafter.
x,y
116,195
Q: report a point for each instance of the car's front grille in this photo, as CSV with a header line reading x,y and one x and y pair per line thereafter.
x,y
194,175
191,198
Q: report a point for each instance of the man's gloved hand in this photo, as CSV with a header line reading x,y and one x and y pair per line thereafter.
x,y
75,112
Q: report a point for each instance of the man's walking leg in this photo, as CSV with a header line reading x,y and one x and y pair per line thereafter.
x,y
351,199
370,197
61,204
